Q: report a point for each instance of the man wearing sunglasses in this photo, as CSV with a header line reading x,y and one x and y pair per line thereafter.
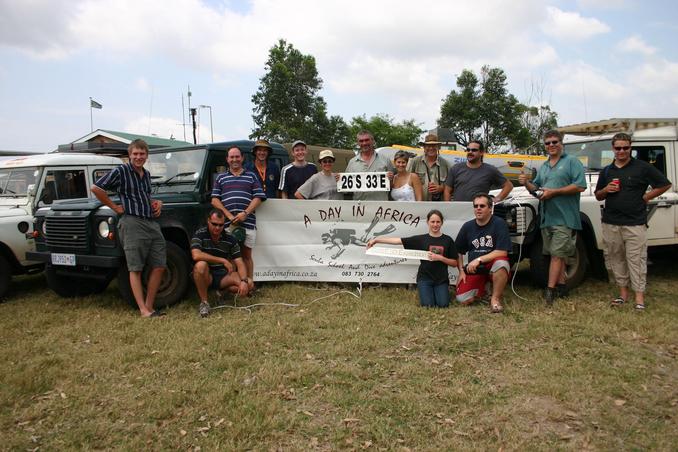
x,y
467,178
218,263
561,178
624,187
486,242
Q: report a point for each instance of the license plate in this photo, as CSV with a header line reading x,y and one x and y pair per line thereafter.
x,y
63,259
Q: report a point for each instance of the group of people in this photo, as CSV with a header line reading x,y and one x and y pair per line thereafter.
x,y
222,250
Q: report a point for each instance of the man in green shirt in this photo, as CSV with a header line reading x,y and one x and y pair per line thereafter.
x,y
561,178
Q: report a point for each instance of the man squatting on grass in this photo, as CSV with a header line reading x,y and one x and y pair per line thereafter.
x,y
561,178
139,234
486,241
217,255
624,187
237,193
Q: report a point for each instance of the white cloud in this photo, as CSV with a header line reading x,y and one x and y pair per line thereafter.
x,y
603,4
142,84
571,27
635,44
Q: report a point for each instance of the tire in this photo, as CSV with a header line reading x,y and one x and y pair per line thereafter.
x,y
576,269
70,287
5,277
174,282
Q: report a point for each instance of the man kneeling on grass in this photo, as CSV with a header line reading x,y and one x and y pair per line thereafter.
x,y
486,241
217,255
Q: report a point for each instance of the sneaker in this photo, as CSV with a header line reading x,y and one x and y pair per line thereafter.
x,y
562,291
550,295
204,309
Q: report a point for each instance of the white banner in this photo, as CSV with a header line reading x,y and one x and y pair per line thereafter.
x,y
307,240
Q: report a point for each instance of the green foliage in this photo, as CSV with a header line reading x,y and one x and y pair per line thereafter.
x,y
482,108
287,105
386,131
534,122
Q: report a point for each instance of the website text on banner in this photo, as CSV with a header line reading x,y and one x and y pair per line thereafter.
x,y
325,240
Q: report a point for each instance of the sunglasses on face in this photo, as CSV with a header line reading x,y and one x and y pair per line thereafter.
x,y
217,225
479,206
473,150
551,143
621,148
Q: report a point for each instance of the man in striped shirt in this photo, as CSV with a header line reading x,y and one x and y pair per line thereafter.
x,y
139,234
218,262
238,193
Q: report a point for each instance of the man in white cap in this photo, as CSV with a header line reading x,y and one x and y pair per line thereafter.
x,y
322,185
431,169
296,173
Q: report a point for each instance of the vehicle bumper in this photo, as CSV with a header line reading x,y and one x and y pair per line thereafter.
x,y
81,260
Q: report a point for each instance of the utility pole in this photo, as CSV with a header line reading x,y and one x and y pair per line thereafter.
x,y
193,113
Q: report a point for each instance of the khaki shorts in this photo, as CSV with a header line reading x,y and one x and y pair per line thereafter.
x,y
143,243
559,241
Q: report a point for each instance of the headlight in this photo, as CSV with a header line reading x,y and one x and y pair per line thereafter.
x,y
104,229
43,228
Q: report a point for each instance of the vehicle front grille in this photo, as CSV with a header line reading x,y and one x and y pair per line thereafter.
x,y
66,232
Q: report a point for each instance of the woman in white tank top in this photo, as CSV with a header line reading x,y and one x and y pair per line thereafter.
x,y
406,185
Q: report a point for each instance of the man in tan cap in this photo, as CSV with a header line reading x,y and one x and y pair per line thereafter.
x,y
431,169
266,171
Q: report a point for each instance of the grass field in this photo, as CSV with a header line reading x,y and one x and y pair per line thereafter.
x,y
376,373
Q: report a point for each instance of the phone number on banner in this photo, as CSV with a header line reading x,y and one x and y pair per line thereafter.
x,y
351,182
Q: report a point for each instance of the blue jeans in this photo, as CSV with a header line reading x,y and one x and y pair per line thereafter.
x,y
433,295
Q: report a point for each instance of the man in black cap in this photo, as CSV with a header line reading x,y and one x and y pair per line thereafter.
x,y
266,171
296,173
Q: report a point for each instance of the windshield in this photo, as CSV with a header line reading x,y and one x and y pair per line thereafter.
x,y
176,170
594,155
14,182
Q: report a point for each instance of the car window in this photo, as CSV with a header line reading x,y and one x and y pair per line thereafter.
x,y
64,184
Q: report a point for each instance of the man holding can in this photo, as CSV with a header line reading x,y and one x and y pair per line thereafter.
x,y
624,186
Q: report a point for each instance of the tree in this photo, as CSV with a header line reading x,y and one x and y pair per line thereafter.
x,y
482,109
287,105
535,120
385,131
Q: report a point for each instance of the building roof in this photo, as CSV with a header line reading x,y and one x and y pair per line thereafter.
x,y
127,138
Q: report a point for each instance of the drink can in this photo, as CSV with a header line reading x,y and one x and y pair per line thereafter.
x,y
617,182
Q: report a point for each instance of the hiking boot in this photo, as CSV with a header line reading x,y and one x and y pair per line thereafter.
x,y
562,291
204,309
550,295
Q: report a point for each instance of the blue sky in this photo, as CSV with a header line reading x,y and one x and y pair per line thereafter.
x,y
588,59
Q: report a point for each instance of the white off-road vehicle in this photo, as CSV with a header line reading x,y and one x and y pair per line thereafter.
x,y
654,141
31,182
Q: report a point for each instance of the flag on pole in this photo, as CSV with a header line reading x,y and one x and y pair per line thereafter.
x,y
95,104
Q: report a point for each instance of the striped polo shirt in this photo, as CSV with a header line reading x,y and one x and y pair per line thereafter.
x,y
226,247
134,190
237,192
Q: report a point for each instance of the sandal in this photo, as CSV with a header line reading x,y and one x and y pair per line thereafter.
x,y
617,302
497,309
639,307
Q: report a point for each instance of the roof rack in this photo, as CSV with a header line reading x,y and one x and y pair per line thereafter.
x,y
628,125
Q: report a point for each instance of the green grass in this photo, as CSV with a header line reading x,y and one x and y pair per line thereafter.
x,y
374,373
